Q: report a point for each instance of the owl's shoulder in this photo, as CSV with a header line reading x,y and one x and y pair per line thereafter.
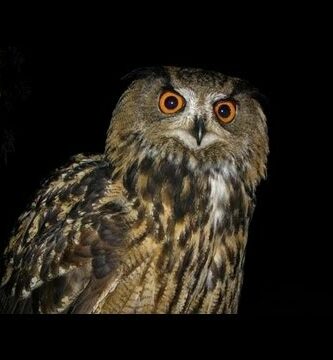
x,y
67,186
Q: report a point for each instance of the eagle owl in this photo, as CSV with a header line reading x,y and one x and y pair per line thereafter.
x,y
159,222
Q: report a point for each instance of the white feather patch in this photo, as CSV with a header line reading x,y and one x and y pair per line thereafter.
x,y
218,195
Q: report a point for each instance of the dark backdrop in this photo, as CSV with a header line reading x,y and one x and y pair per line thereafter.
x,y
57,99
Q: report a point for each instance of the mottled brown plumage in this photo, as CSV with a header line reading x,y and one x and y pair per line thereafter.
x,y
159,223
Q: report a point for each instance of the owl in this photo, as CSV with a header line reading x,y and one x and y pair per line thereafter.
x,y
159,222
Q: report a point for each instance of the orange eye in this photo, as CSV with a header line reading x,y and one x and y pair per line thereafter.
x,y
225,110
171,102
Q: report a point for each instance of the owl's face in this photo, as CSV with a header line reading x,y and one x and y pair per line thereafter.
x,y
206,116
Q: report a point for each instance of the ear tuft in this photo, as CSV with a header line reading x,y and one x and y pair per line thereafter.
x,y
145,72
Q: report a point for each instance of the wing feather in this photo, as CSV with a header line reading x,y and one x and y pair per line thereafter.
x,y
64,253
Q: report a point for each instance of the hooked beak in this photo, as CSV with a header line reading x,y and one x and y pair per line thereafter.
x,y
199,129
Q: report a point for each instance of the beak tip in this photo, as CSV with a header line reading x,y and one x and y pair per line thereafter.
x,y
199,130
199,139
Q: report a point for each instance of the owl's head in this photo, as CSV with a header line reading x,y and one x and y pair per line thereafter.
x,y
207,118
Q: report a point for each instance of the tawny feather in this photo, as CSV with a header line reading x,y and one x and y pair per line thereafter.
x,y
157,224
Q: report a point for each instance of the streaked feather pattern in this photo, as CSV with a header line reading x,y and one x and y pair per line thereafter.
x,y
148,227
80,237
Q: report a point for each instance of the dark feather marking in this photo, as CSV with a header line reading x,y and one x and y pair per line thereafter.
x,y
165,254
186,261
220,229
161,233
160,292
61,243
232,303
35,299
211,235
215,274
223,306
136,204
65,194
101,267
203,219
97,185
217,303
146,164
197,308
111,233
105,263
58,285
83,251
141,238
236,264
71,172
230,254
86,180
88,237
129,178
78,189
169,172
141,215
150,191
51,215
45,269
202,239
159,209
171,229
183,267
111,207
222,270
149,226
116,174
201,262
74,212
170,264
184,236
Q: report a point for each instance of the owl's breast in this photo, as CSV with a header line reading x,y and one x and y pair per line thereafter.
x,y
186,249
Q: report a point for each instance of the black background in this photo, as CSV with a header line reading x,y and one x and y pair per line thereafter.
x,y
59,93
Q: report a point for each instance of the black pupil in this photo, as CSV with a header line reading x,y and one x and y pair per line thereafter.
x,y
171,102
224,111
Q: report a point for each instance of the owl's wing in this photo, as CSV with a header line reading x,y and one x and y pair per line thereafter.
x,y
65,253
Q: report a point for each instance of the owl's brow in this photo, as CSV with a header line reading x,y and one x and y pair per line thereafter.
x,y
244,87
168,87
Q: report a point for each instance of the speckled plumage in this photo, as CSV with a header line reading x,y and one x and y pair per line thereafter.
x,y
154,225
